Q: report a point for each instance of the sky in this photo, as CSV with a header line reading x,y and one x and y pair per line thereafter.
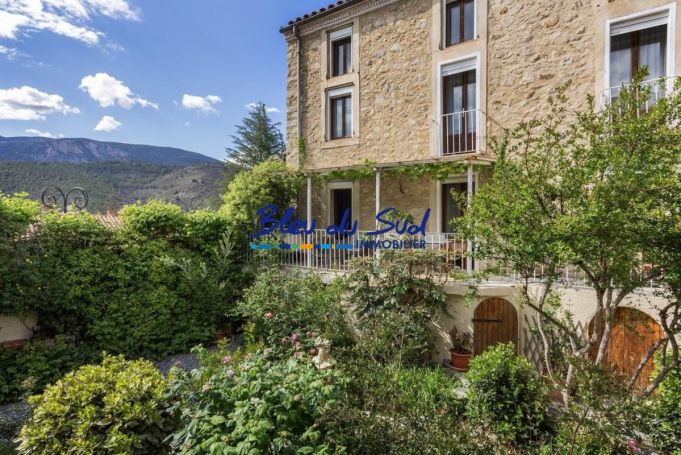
x,y
177,73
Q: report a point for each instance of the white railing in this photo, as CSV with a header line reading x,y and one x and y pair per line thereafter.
x,y
458,132
658,90
322,251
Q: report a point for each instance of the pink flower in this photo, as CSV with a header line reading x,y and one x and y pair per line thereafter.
x,y
297,345
313,351
295,337
283,340
297,354
177,364
230,373
632,444
226,359
269,315
310,334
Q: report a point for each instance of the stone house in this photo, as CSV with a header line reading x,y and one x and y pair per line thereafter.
x,y
407,82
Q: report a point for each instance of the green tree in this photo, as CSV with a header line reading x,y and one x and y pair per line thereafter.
x,y
257,139
597,189
269,182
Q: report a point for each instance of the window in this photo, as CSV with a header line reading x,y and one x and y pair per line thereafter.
x,y
459,107
636,49
340,113
453,194
340,51
460,21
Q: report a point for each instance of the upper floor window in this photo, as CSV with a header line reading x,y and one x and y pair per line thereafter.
x,y
459,117
340,43
460,21
340,113
637,44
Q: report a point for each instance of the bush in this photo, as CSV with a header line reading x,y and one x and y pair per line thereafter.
x,y
29,370
280,304
505,394
399,411
116,407
667,414
154,219
396,298
256,406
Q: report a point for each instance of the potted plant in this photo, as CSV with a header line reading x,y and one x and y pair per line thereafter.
x,y
461,349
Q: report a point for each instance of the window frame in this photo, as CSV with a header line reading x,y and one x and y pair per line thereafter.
x,y
622,21
447,25
333,37
336,94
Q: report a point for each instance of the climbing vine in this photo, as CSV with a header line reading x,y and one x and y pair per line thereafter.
x,y
367,169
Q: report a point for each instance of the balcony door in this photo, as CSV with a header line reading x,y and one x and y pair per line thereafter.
x,y
635,44
459,120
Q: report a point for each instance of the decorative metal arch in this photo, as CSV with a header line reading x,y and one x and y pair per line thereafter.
x,y
78,197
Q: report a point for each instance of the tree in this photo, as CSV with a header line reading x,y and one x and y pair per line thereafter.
x,y
599,190
257,139
270,182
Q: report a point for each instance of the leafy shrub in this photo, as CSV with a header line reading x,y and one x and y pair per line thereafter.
x,y
396,298
270,182
116,407
256,406
154,219
398,410
667,414
505,394
29,370
280,304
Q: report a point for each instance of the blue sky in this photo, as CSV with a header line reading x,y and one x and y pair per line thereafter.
x,y
119,70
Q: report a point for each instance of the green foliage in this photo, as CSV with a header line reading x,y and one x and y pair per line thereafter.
x,y
270,182
160,286
505,394
116,407
16,213
398,410
30,369
257,139
666,413
255,406
396,298
280,304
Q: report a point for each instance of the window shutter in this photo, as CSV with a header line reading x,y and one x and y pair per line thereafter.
x,y
339,91
340,34
639,23
459,67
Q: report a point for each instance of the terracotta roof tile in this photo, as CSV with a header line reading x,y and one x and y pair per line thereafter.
x,y
321,11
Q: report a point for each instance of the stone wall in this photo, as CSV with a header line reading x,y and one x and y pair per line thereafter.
x,y
533,46
394,90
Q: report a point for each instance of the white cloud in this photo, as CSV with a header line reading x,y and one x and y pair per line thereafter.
x,y
10,52
268,109
28,103
67,18
108,124
203,104
109,91
35,132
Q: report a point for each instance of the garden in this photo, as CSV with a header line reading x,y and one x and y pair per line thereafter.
x,y
288,363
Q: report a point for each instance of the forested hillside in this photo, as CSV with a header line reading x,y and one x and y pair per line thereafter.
x,y
114,184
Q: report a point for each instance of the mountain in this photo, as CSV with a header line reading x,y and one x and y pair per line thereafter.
x,y
80,150
114,184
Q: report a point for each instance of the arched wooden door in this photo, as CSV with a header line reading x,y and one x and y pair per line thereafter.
x,y
632,335
494,321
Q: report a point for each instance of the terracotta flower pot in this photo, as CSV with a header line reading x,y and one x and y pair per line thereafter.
x,y
460,360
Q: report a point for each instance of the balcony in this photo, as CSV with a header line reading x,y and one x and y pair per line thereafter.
x,y
463,132
658,90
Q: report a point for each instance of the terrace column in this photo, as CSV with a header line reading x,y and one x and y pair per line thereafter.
x,y
469,199
378,193
308,209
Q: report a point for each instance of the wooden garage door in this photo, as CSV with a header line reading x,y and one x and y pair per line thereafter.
x,y
495,321
632,335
